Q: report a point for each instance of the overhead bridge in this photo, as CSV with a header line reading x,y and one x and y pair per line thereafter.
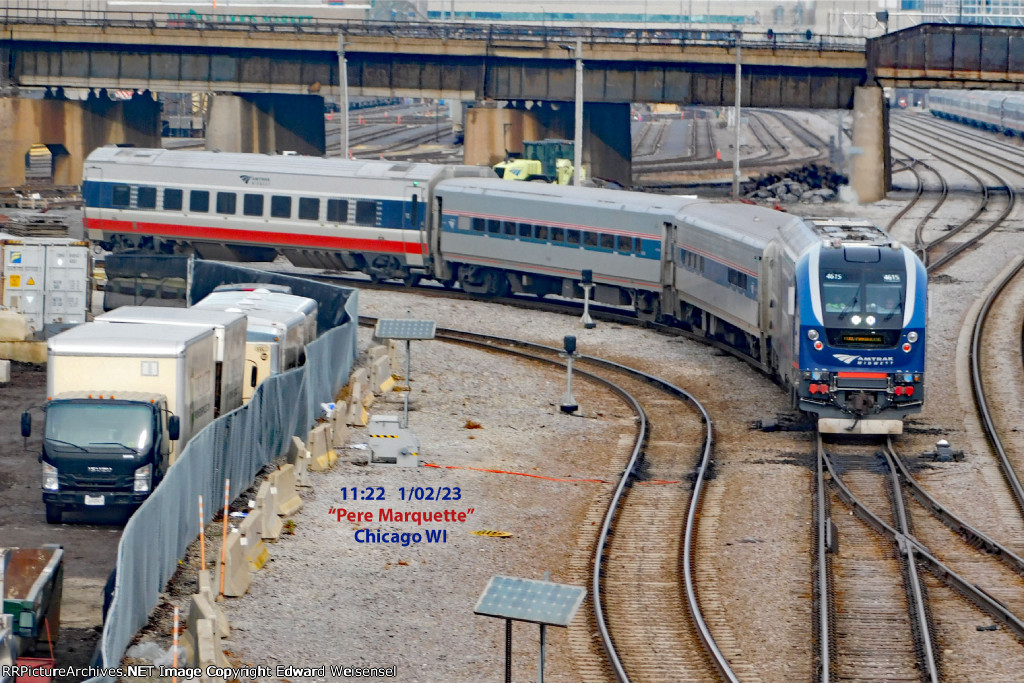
x,y
276,75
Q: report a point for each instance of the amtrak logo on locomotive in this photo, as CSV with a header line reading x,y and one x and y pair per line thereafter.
x,y
861,360
258,180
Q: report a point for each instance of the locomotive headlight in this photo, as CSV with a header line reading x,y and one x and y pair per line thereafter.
x,y
911,337
908,378
855,320
870,320
812,334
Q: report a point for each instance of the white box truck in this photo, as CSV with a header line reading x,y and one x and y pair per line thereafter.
x,y
267,299
229,329
123,400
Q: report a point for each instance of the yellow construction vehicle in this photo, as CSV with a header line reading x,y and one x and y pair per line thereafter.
x,y
544,160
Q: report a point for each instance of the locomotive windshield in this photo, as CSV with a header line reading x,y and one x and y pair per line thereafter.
x,y
863,308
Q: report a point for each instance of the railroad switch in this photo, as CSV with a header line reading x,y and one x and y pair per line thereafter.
x,y
391,443
944,452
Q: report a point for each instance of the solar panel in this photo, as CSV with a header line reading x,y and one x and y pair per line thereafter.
x,y
541,602
405,329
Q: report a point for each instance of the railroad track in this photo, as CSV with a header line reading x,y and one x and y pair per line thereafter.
x,y
650,593
860,482
873,630
1002,187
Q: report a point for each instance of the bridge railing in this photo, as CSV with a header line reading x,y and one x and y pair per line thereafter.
x,y
484,32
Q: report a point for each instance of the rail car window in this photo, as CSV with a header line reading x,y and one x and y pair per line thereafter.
x,y
199,201
509,228
624,244
738,279
280,206
558,235
691,261
226,202
172,199
337,210
589,239
493,226
309,208
542,232
525,230
465,223
121,196
145,198
366,213
252,205
572,236
478,225
607,241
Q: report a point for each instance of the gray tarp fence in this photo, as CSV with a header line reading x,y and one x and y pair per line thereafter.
x,y
235,446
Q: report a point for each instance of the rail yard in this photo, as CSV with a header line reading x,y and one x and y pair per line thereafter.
x,y
717,564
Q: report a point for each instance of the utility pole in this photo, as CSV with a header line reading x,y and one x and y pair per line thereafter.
x,y
343,96
577,161
736,117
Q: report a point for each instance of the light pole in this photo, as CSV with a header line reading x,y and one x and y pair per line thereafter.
x,y
739,92
577,152
343,95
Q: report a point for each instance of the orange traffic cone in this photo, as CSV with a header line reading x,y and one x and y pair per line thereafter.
x,y
718,154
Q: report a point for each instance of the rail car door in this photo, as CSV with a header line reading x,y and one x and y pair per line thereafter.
x,y
414,222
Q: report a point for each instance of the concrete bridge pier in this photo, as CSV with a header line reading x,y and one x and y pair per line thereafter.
x,y
871,166
262,123
490,132
71,129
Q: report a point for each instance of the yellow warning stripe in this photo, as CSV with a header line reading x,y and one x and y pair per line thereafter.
x,y
384,436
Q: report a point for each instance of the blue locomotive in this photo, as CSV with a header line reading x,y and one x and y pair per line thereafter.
x,y
833,308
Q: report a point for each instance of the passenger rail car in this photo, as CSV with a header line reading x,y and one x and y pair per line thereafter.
x,y
996,111
833,307
321,213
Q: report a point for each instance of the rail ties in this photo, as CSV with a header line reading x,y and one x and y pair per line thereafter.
x,y
880,620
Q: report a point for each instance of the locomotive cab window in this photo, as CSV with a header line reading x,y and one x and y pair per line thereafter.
x,y
172,199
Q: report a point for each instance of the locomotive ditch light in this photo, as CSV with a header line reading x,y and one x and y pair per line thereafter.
x,y
812,335
911,337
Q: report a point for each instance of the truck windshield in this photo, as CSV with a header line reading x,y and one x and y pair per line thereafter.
x,y
89,425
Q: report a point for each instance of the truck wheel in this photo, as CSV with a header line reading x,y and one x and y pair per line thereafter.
x,y
53,514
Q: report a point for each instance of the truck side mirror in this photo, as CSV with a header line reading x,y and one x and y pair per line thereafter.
x,y
26,424
252,381
174,427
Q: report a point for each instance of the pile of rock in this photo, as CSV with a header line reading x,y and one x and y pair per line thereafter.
x,y
811,184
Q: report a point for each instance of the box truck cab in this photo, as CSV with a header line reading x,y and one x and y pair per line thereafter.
x,y
123,400
228,328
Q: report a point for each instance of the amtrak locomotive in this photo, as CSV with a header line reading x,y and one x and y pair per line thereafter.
x,y
833,308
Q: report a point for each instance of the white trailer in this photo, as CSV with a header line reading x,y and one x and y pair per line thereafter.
x,y
262,298
229,329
